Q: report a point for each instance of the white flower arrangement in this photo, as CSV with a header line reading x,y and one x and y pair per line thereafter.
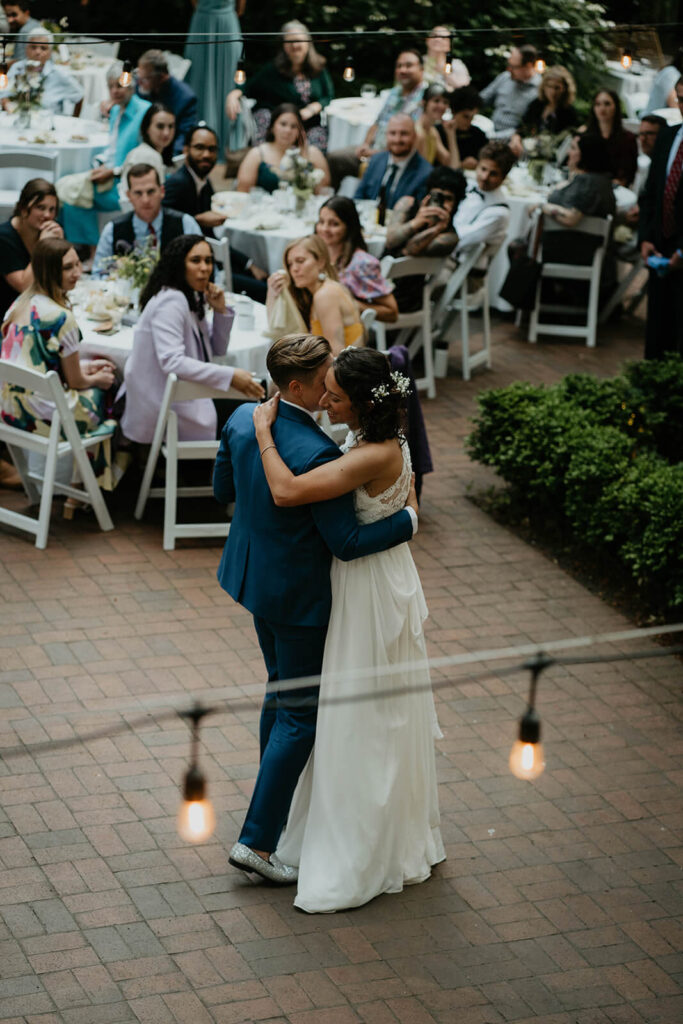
x,y
399,385
300,173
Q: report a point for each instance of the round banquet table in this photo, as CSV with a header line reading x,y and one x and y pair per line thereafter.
x,y
90,71
349,118
73,140
247,348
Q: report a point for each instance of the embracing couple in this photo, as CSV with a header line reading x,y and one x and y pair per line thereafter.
x,y
345,801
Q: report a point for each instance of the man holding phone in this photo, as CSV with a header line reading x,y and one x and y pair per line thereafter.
x,y
425,228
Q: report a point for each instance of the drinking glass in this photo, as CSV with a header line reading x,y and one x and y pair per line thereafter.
x,y
368,91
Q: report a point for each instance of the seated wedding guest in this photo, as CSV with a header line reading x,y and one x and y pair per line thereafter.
x,y
324,306
298,76
663,91
155,83
21,24
173,336
588,193
189,191
622,147
261,166
425,229
511,92
430,144
339,227
148,223
157,131
40,333
397,171
61,93
99,188
484,215
404,98
439,45
461,138
552,111
34,217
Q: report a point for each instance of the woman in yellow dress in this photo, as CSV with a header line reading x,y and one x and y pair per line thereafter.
x,y
326,307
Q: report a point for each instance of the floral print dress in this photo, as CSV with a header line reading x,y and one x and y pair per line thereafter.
x,y
38,338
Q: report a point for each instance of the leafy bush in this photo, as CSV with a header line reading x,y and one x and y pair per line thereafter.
x,y
592,455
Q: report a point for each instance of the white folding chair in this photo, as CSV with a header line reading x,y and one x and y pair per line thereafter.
x,y
17,166
52,447
166,443
418,323
177,66
596,227
348,186
220,247
457,298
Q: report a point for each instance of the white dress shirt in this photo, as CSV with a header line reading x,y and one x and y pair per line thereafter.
x,y
481,217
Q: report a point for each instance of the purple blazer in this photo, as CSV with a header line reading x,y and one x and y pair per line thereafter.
x,y
169,338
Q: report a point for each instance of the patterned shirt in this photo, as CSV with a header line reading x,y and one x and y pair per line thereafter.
x,y
363,277
61,92
397,102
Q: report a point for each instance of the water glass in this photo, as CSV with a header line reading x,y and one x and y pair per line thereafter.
x,y
368,91
245,313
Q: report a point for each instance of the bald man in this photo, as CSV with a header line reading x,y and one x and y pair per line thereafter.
x,y
397,171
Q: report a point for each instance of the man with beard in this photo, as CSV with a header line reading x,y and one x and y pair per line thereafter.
x,y
190,191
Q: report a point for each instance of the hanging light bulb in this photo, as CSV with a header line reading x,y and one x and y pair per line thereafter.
x,y
626,59
126,76
526,757
349,72
196,818
540,64
4,78
240,73
448,67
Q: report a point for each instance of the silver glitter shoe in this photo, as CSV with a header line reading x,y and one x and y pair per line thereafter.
x,y
273,870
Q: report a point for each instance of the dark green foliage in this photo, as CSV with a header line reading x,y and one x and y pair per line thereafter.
x,y
601,459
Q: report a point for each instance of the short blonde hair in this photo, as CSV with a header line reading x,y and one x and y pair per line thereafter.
x,y
565,76
297,357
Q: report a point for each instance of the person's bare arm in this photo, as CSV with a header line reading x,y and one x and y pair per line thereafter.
x,y
93,373
318,160
568,217
248,171
385,306
327,309
210,219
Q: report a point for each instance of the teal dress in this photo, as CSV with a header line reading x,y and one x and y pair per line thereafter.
x,y
267,178
212,74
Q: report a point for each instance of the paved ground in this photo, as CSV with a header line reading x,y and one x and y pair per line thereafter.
x,y
559,902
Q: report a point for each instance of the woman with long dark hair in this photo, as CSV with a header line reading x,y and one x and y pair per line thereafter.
x,y
173,336
157,132
34,217
262,164
373,761
297,75
622,145
340,229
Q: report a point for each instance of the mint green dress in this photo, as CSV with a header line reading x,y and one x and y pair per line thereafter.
x,y
214,45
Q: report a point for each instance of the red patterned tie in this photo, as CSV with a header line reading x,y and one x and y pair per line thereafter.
x,y
669,198
154,239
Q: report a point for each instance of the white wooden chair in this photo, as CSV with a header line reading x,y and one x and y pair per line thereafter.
x,y
457,298
418,323
177,66
596,227
17,166
220,247
52,447
166,443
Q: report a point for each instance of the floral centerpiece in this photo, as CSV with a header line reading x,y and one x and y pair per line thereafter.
x,y
540,151
301,175
132,266
27,91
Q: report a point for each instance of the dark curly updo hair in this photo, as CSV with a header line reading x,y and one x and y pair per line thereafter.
x,y
365,376
169,272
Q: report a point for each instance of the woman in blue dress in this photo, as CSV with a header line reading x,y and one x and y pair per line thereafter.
x,y
212,74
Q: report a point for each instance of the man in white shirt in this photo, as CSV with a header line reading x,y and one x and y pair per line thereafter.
x,y
61,93
484,215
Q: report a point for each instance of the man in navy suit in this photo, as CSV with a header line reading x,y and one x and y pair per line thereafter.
x,y
156,84
276,563
397,171
661,234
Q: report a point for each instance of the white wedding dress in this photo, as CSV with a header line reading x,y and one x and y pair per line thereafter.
x,y
365,818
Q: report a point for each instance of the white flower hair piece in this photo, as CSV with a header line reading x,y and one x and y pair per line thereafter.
x,y
400,384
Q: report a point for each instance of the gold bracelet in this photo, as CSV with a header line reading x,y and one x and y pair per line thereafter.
x,y
266,448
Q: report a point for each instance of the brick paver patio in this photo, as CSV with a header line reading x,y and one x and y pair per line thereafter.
x,y
560,901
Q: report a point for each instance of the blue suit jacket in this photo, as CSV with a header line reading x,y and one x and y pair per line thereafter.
x,y
411,182
276,561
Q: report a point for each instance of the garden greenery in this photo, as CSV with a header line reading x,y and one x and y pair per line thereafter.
x,y
603,459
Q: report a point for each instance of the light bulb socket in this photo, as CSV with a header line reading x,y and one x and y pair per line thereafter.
x,y
240,73
194,785
530,727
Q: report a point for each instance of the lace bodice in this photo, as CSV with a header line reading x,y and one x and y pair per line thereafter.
x,y
372,508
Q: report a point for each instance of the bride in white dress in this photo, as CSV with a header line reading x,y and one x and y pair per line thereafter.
x,y
364,819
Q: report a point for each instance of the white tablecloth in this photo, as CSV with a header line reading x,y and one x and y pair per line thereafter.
x,y
349,118
73,140
91,75
638,79
247,348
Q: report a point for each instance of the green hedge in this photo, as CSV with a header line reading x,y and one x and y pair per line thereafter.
x,y
601,458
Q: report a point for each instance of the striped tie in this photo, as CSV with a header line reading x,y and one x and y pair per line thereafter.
x,y
669,198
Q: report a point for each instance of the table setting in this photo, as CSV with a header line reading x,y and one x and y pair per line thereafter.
x,y
262,225
73,140
90,71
